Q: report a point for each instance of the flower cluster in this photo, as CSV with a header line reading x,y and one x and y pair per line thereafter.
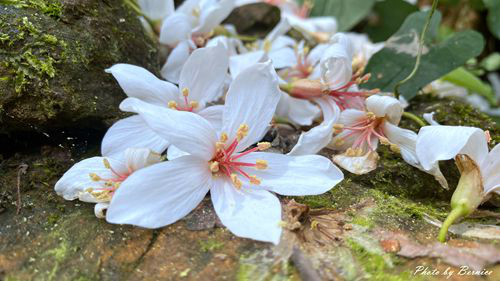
x,y
216,105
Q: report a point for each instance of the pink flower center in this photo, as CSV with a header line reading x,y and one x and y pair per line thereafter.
x,y
187,106
110,185
365,130
226,162
345,98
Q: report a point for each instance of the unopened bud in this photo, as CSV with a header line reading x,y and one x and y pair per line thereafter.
x,y
306,89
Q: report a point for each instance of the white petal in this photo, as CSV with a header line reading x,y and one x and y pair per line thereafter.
x,y
173,152
100,210
138,158
324,24
435,143
385,106
213,114
131,132
283,58
139,83
429,117
204,72
317,138
279,30
160,194
405,139
241,62
336,66
491,170
156,9
175,61
248,213
175,28
213,15
294,175
317,53
299,111
281,42
74,183
186,130
358,165
253,90
343,40
346,138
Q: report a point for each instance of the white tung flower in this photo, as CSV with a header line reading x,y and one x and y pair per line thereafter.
x,y
202,81
241,179
188,28
96,179
479,169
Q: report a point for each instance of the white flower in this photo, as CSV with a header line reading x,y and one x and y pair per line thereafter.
x,y
156,10
189,28
201,81
240,180
96,179
361,131
363,48
480,170
336,90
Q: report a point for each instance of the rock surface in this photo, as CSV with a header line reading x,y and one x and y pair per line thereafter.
x,y
370,227
52,59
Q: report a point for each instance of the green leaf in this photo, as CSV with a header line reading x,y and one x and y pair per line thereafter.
x,y
493,18
463,78
347,12
396,61
384,22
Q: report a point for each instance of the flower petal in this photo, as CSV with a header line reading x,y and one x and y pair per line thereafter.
x,y
156,9
160,194
213,114
175,61
204,72
139,83
248,213
385,106
317,138
74,183
405,139
138,158
131,132
173,152
295,175
435,143
491,170
336,66
346,138
100,210
299,111
213,15
186,130
358,165
175,28
283,58
241,62
254,90
323,24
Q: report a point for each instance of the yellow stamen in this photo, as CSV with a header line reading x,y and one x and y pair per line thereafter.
x,y
223,137
339,141
242,131
236,181
261,164
254,180
172,104
94,177
371,115
314,224
395,148
385,141
194,104
106,163
267,46
338,128
263,145
214,166
220,145
185,92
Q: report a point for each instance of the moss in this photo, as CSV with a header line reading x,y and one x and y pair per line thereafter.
x,y
210,245
52,8
376,266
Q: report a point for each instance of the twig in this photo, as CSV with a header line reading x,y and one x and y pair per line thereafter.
x,y
420,48
21,171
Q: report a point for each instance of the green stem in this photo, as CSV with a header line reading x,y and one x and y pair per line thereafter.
x,y
415,118
455,214
420,48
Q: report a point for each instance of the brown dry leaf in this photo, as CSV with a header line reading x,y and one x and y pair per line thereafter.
x,y
457,253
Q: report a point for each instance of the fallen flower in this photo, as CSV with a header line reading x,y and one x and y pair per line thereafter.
x,y
96,179
479,169
240,179
201,81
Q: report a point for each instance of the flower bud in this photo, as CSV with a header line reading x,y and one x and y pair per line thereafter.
x,y
306,89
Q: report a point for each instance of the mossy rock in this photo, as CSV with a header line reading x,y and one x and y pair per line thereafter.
x,y
52,59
